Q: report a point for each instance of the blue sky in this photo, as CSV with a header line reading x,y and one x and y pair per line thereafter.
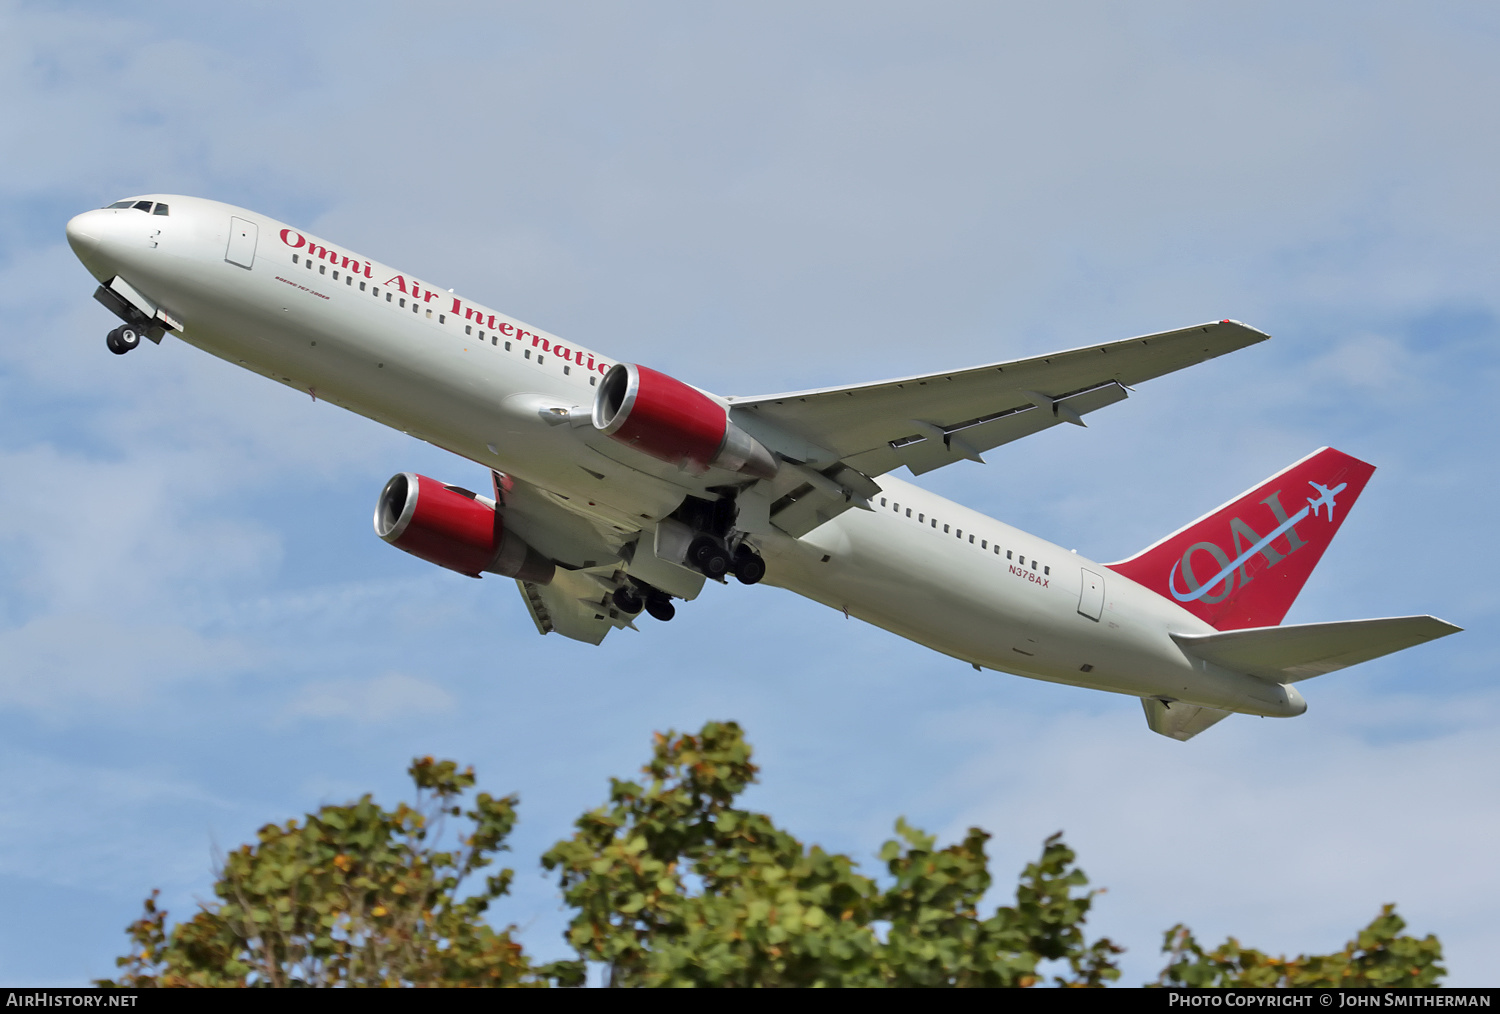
x,y
199,633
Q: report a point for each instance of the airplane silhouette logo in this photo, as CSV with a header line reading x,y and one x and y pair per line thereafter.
x,y
1314,505
1325,497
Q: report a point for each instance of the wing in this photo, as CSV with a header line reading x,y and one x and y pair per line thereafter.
x,y
576,604
847,434
596,556
879,427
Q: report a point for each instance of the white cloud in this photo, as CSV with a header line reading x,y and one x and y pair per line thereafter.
x,y
383,699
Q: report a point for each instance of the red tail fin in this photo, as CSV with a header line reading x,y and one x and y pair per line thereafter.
x,y
1243,565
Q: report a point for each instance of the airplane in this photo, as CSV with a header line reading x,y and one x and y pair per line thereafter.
x,y
615,489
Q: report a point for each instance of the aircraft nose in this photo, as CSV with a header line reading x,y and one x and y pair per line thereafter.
x,y
87,235
82,233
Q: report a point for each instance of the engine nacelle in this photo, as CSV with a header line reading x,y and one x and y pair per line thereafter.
x,y
453,528
675,423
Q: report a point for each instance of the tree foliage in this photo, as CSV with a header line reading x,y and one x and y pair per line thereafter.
x,y
672,884
354,895
1379,956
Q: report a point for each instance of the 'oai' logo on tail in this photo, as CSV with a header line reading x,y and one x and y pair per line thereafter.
x,y
1314,506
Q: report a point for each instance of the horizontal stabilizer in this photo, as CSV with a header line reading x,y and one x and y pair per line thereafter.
x,y
1289,654
1179,721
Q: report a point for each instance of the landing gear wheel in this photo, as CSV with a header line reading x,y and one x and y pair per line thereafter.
x,y
122,339
708,556
627,601
660,607
748,567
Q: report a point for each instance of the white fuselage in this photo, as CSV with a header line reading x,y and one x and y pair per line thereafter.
x,y
382,343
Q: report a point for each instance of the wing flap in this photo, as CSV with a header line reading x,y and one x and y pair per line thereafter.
x,y
1302,651
922,452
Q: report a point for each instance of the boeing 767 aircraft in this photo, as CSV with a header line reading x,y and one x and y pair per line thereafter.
x,y
615,489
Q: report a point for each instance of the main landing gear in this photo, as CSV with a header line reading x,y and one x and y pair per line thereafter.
x,y
633,598
123,338
709,555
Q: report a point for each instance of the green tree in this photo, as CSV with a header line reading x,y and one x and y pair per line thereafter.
x,y
1378,956
354,895
674,885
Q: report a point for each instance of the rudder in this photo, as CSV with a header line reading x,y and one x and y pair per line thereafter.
x,y
1243,564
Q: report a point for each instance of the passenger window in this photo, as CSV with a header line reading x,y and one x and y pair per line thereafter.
x,y
593,381
1033,563
1009,555
540,360
960,533
921,517
908,512
161,209
567,370
481,336
335,276
388,299
984,544
971,540
507,346
295,260
348,279
934,523
361,286
468,329
322,269
528,353
494,339
1022,561
945,529
997,549
403,304
1046,570
883,503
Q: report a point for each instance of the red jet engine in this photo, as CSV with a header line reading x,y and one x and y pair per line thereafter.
x,y
454,528
675,423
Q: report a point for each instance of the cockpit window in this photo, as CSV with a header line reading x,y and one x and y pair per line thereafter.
x,y
161,209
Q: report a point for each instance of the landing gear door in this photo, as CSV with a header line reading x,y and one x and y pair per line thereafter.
x,y
242,239
1091,598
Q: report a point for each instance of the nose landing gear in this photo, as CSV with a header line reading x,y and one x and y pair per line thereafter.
x,y
123,338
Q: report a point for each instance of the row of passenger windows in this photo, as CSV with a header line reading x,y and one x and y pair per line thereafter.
x,y
495,340
416,307
922,518
146,206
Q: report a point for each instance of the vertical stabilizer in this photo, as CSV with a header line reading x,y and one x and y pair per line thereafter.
x,y
1243,564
